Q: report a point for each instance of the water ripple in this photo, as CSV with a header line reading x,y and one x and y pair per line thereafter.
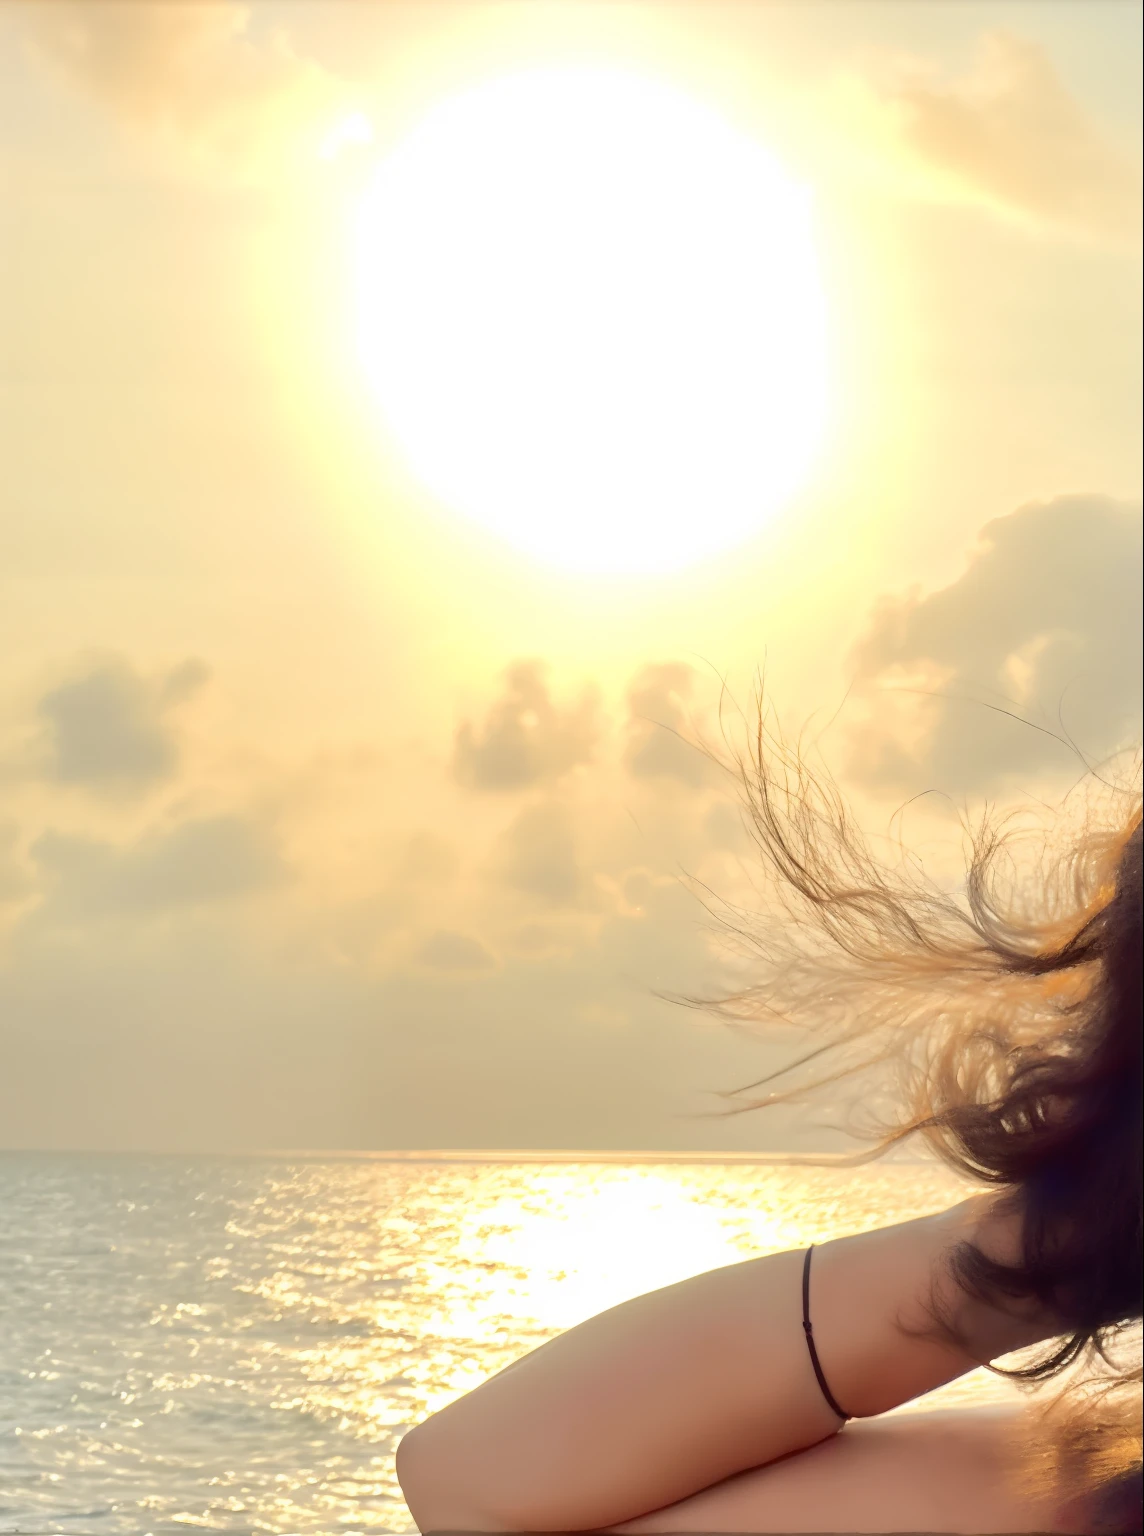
x,y
237,1344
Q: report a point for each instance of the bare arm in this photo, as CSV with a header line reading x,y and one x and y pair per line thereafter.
x,y
676,1390
944,1470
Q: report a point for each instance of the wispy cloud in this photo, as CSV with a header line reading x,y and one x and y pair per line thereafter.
x,y
110,728
1044,622
1009,136
202,83
526,738
194,862
539,856
660,736
448,950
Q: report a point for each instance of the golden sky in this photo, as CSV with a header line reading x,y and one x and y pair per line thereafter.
x,y
345,786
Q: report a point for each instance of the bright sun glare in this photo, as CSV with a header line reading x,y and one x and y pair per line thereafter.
x,y
591,312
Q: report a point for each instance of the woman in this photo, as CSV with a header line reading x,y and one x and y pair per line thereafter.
x,y
715,1404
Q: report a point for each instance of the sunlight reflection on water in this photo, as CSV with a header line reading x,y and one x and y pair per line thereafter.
x,y
237,1344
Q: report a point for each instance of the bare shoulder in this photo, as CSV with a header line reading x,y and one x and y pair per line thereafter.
x,y
942,1470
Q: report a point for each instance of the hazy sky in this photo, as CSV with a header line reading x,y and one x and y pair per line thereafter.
x,y
330,817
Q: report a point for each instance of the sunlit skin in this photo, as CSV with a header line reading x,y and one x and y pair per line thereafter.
x,y
663,1413
591,312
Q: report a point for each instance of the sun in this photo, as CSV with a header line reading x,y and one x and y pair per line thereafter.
x,y
591,311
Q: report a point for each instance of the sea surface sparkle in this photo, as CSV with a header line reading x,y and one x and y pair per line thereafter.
x,y
238,1343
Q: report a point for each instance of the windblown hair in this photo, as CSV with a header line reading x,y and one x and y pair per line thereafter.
x,y
1009,1028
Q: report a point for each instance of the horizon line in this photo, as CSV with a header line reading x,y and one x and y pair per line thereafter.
x,y
471,1155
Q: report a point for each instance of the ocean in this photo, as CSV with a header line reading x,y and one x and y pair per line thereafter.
x,y
237,1343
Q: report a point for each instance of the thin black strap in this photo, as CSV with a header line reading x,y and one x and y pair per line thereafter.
x,y
810,1336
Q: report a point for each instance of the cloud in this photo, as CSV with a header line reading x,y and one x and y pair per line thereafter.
x,y
15,881
538,855
203,76
182,1036
200,861
725,829
108,727
534,938
183,682
526,739
1045,618
426,858
659,733
1009,136
447,950
196,1031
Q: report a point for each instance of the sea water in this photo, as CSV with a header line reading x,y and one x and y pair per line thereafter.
x,y
238,1343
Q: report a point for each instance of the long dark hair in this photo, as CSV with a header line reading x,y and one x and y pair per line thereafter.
x,y
1011,1027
